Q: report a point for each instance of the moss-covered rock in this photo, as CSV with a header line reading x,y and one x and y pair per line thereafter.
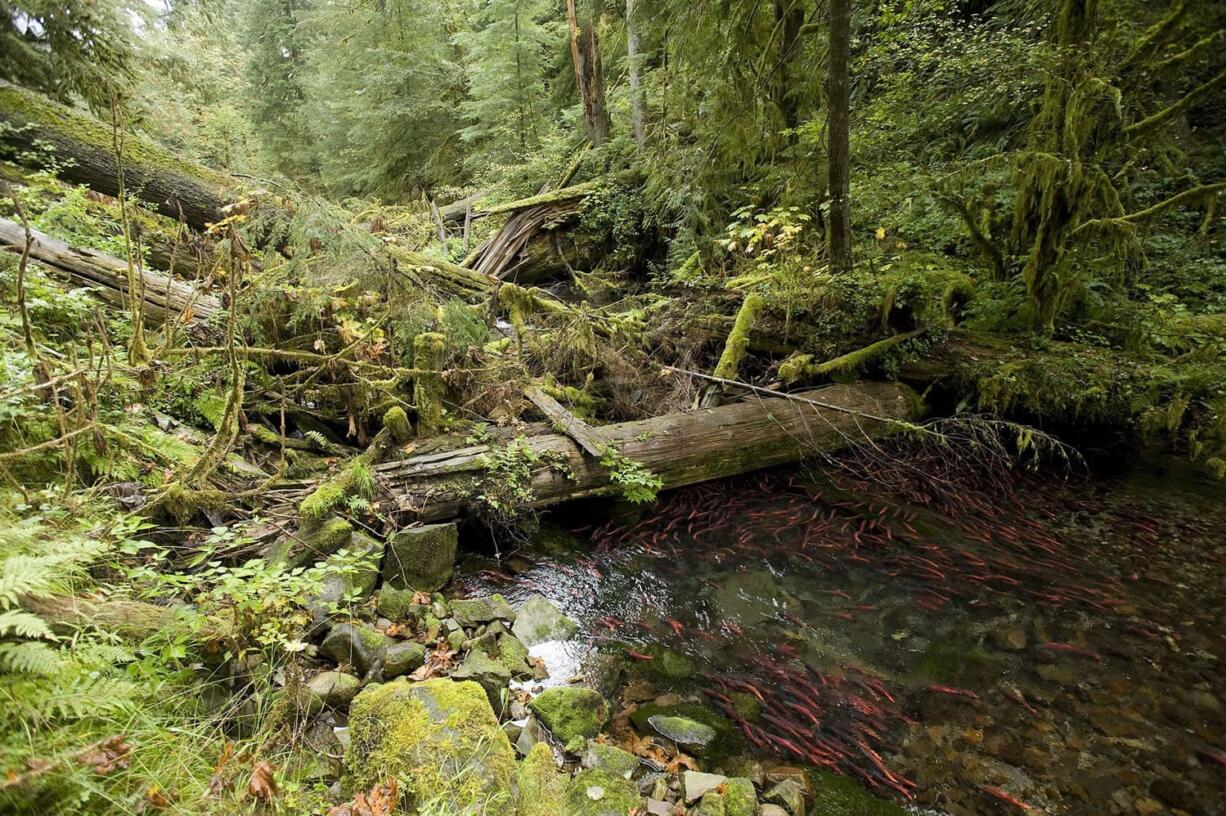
x,y
610,759
343,580
597,793
689,734
402,658
712,804
333,689
397,605
572,714
504,647
471,612
356,645
485,671
835,795
538,621
440,739
725,739
420,558
316,542
542,790
740,798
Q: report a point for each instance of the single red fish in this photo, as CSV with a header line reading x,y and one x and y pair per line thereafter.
x,y
638,655
1004,798
1069,648
678,629
953,692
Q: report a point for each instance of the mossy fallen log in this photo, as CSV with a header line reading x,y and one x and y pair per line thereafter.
x,y
680,449
84,154
108,276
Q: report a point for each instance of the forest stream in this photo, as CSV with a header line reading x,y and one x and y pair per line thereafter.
x,y
937,640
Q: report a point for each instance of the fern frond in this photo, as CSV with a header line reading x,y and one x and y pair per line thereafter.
x,y
30,657
25,625
317,439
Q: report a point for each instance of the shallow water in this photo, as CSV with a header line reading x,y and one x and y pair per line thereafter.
x,y
968,644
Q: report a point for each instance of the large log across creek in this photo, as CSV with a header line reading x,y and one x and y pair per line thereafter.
x,y
682,448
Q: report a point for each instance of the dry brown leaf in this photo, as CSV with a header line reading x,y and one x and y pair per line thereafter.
x,y
218,784
381,801
155,798
438,662
421,598
107,755
262,784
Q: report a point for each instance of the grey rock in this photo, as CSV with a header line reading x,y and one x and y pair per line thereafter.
x,y
402,658
698,783
488,673
474,611
356,645
529,735
610,759
333,689
420,557
790,794
683,731
771,810
658,807
340,581
538,621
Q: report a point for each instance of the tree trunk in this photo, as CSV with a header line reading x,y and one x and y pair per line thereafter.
x,y
589,77
84,154
838,127
636,90
789,18
681,449
108,276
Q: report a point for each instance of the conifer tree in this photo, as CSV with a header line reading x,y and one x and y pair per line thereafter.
x,y
276,72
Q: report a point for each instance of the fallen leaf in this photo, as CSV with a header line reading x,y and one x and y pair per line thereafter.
x,y
107,755
218,784
438,662
262,785
380,801
154,798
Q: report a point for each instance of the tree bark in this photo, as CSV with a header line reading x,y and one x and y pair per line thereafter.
x,y
589,76
108,276
632,60
84,154
681,449
838,132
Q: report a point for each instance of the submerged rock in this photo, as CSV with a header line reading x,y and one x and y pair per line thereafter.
x,y
677,715
357,645
440,738
685,732
420,557
749,598
836,795
538,621
473,612
573,715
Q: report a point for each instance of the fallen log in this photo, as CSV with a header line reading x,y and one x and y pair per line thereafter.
x,y
108,275
85,153
681,449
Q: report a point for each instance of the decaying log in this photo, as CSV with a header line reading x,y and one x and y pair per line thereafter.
x,y
134,621
172,185
585,435
681,449
108,275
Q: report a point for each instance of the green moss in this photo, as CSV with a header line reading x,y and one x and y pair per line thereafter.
x,y
439,738
311,545
428,389
541,788
738,338
355,479
802,367
617,796
836,795
725,742
740,798
396,421
572,714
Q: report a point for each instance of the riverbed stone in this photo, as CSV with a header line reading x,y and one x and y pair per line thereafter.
x,y
333,689
687,733
572,714
530,735
397,605
402,658
790,794
698,783
837,795
539,621
740,798
485,671
610,758
542,790
310,544
440,738
357,645
712,804
472,612
593,792
749,598
501,645
718,746
421,557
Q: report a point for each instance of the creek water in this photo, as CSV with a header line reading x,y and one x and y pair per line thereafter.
x,y
944,639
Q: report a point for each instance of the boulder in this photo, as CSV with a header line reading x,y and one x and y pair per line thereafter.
x,y
397,605
402,658
357,645
572,714
440,738
504,647
689,734
790,794
530,735
310,544
749,598
712,804
472,612
538,621
332,689
420,557
697,784
610,759
542,790
740,798
596,793
488,673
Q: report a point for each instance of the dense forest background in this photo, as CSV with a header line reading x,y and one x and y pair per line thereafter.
x,y
1011,205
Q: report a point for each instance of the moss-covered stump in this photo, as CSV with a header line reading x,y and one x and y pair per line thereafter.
x,y
440,739
428,388
420,557
597,793
542,789
573,715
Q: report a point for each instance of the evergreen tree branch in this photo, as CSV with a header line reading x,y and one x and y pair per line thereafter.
x,y
1191,98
